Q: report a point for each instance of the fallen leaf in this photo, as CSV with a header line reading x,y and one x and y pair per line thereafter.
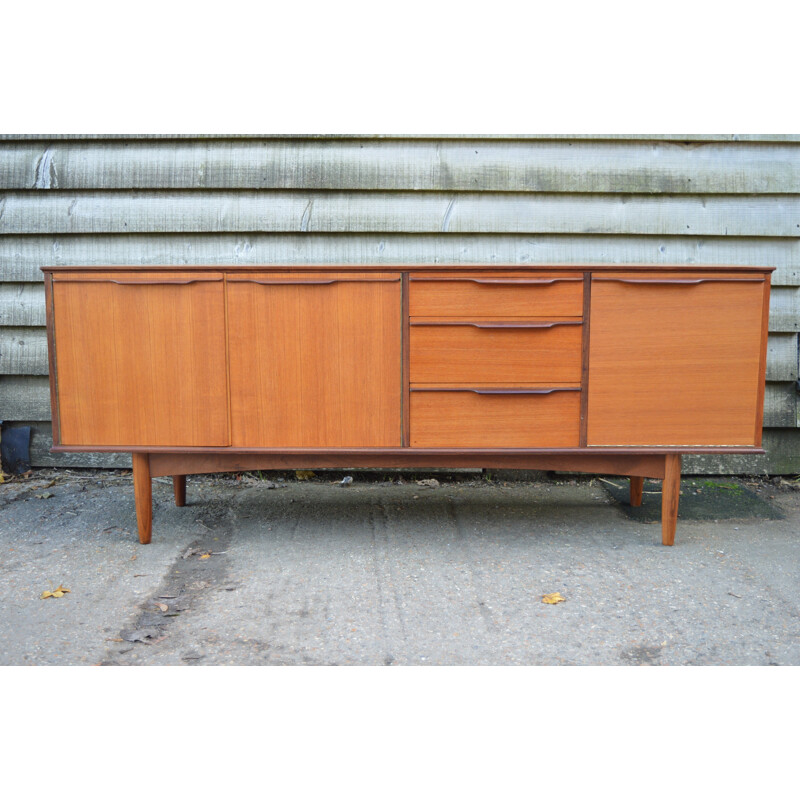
x,y
429,483
60,592
163,606
303,474
44,495
553,598
205,555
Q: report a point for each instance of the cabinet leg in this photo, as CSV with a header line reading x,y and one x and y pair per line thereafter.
x,y
637,485
143,492
670,497
179,487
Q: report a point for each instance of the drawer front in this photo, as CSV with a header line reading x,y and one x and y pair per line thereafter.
x,y
539,352
494,419
489,296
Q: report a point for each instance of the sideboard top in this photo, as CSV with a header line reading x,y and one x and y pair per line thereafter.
x,y
409,268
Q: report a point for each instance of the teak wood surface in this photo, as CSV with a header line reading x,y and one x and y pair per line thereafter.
x,y
495,352
141,359
207,369
315,363
674,363
494,418
490,295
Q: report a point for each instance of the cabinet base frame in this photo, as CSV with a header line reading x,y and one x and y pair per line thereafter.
x,y
666,467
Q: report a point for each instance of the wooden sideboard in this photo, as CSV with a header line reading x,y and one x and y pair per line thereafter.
x,y
601,369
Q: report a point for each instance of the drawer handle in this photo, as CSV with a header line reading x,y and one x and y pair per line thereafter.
x,y
498,391
137,283
326,282
499,281
680,281
499,325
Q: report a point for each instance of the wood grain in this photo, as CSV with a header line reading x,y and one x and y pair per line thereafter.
x,y
466,419
398,212
674,364
637,487
143,494
487,295
466,354
23,255
179,489
547,164
670,498
141,364
762,362
652,466
51,363
316,364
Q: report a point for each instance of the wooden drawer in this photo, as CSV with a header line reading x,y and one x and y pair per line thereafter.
x,y
491,418
493,296
495,352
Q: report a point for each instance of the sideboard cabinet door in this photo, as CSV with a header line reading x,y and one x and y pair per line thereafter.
x,y
141,359
315,359
676,360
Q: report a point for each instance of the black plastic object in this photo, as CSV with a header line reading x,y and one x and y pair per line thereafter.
x,y
15,448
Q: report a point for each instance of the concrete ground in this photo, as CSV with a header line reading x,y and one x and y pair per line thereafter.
x,y
388,571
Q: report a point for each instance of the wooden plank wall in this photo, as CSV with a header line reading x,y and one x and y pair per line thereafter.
x,y
523,200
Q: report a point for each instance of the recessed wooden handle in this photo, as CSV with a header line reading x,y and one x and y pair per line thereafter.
x,y
496,391
136,283
497,325
500,281
322,282
679,281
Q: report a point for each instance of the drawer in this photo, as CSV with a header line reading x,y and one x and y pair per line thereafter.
x,y
495,352
492,418
491,296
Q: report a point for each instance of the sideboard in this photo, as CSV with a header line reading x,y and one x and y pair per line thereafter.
x,y
600,369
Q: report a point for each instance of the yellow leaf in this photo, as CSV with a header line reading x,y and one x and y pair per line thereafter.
x,y
58,594
303,474
46,595
62,589
205,555
553,598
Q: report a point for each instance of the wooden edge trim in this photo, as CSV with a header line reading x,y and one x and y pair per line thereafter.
x,y
185,464
50,317
587,321
438,451
762,369
405,350
289,268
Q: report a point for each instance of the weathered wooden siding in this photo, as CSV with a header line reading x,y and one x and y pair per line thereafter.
x,y
380,199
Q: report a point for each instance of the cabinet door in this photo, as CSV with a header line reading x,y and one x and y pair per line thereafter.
x,y
315,360
676,360
140,359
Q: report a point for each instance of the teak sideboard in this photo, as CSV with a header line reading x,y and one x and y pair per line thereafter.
x,y
600,369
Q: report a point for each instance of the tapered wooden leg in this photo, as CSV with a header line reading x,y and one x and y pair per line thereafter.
x,y
179,487
637,485
670,497
143,492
